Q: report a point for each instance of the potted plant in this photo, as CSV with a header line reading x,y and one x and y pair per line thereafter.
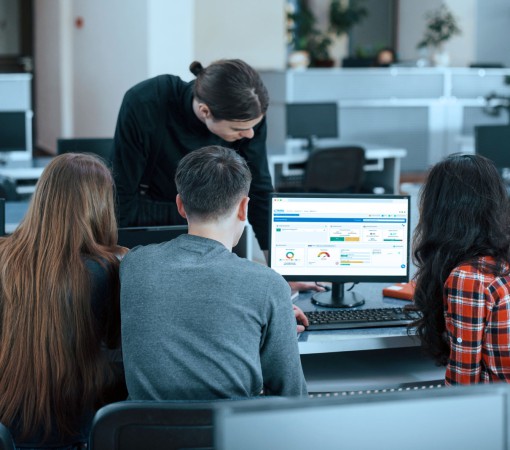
x,y
441,27
305,36
343,17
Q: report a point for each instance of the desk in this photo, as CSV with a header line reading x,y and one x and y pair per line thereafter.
x,y
22,176
382,166
361,359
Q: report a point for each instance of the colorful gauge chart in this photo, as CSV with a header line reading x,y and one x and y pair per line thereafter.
x,y
323,255
289,255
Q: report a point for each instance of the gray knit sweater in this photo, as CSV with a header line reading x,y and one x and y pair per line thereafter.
x,y
198,322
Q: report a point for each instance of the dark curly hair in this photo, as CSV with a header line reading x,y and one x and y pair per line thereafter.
x,y
464,214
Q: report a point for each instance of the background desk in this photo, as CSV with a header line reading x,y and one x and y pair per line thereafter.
x,y
362,359
382,166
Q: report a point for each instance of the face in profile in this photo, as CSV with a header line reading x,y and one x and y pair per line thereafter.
x,y
231,131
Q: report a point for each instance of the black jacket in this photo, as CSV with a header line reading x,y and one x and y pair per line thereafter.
x,y
157,115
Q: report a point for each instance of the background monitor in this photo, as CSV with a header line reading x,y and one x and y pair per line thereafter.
x,y
132,236
493,142
102,147
340,238
13,131
312,121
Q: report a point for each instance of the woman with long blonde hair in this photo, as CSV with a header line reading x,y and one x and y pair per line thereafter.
x,y
59,304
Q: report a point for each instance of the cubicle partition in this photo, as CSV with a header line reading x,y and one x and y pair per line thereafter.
x,y
430,112
469,417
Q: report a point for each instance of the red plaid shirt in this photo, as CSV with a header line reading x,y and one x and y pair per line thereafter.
x,y
477,314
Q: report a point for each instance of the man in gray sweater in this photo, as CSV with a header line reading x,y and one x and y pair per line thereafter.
x,y
198,322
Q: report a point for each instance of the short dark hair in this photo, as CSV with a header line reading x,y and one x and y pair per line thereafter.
x,y
464,214
231,88
211,181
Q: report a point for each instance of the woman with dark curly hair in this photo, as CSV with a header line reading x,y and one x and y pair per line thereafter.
x,y
461,249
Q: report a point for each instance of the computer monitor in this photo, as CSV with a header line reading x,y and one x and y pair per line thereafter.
x,y
102,147
312,121
340,238
132,236
13,127
493,142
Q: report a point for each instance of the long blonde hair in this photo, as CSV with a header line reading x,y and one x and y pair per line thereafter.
x,y
51,366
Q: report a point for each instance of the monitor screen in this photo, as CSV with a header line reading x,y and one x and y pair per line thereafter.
x,y
132,236
493,142
312,120
102,147
340,238
13,131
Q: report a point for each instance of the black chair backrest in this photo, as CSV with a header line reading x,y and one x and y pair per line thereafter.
x,y
2,216
131,425
336,169
102,147
6,441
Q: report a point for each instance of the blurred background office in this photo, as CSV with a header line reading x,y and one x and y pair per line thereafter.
x,y
84,54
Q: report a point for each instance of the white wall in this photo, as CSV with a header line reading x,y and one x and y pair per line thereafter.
x,y
49,99
412,22
411,26
171,37
109,56
253,31
462,47
493,31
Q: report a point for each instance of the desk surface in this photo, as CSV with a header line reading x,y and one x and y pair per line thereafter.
x,y
361,359
372,151
327,341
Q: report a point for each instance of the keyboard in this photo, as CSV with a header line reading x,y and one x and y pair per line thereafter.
x,y
341,319
290,182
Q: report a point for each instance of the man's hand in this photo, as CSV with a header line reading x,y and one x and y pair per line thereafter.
x,y
305,286
300,317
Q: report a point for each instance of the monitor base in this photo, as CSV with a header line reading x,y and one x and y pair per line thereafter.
x,y
338,298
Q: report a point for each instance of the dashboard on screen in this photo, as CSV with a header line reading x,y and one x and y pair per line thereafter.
x,y
340,238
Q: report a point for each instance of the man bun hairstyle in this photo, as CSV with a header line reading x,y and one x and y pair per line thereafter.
x,y
231,88
195,68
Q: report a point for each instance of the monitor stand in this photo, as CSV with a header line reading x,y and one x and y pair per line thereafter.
x,y
338,297
311,143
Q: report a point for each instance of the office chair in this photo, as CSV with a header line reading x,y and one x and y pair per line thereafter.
x,y
6,441
102,147
336,169
156,425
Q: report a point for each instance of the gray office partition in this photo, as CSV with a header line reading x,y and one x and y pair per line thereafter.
x,y
469,417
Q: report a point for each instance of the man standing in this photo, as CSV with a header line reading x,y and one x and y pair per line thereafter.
x,y
198,322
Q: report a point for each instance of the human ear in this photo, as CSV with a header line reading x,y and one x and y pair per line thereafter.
x,y
180,206
204,111
242,212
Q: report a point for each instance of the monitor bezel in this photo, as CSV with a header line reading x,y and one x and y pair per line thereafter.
x,y
345,278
